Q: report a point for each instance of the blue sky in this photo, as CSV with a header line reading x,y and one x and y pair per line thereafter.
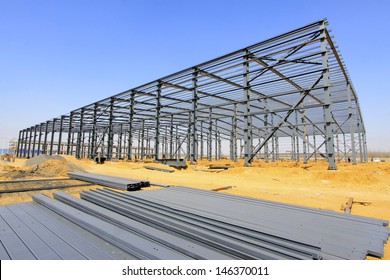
x,y
56,56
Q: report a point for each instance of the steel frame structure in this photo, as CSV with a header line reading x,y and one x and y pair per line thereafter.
x,y
293,87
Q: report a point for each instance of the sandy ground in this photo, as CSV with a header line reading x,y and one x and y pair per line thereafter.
x,y
285,181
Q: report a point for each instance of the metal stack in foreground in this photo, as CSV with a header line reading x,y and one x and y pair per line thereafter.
x,y
110,181
182,223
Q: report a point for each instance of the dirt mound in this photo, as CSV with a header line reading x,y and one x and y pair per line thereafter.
x,y
41,159
54,167
42,166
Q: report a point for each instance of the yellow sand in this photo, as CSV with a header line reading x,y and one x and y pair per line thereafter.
x,y
302,184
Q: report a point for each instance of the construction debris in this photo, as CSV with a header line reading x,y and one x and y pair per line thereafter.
x,y
8,157
347,208
176,163
159,169
223,167
222,189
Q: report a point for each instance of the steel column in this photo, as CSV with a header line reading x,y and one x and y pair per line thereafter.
x,y
28,139
130,131
235,133
110,140
157,127
246,109
52,137
25,142
171,138
194,133
216,139
92,151
60,135
209,136
68,148
34,141
266,151
39,139
79,135
201,140
142,136
328,103
45,138
314,143
18,150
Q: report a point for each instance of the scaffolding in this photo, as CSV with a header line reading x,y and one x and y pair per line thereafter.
x,y
288,96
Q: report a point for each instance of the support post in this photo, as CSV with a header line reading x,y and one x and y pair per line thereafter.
x,y
39,139
34,141
216,139
298,156
130,130
345,147
60,135
53,126
157,127
142,136
273,138
247,119
25,133
110,140
293,145
189,137
266,151
209,136
92,151
18,150
303,121
119,150
29,135
360,139
235,133
194,133
79,135
327,104
171,139
45,138
201,140
315,143
365,147
68,148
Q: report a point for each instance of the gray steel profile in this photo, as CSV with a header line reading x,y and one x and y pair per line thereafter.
x,y
289,96
30,231
110,181
181,223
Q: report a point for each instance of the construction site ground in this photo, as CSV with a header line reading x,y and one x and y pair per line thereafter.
x,y
284,181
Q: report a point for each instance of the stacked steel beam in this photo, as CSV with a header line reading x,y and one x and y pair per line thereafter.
x,y
110,181
182,223
334,235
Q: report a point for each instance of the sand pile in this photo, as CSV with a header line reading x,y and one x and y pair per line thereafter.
x,y
34,161
42,166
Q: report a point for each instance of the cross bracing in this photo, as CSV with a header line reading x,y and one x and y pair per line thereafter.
x,y
293,87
